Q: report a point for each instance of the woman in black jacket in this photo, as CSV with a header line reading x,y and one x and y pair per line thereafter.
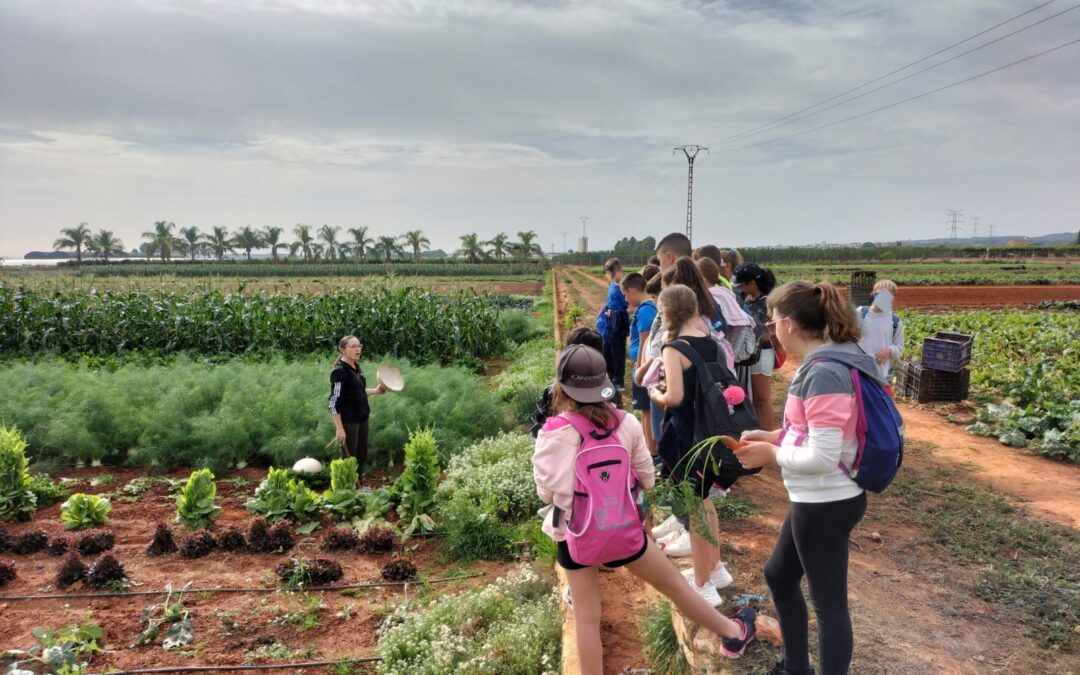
x,y
349,401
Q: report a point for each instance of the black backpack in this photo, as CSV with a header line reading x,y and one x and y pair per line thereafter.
x,y
713,416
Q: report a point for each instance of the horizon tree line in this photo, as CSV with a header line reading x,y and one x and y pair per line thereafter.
x,y
166,242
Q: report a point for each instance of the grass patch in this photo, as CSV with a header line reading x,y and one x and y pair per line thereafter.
x,y
1030,568
661,643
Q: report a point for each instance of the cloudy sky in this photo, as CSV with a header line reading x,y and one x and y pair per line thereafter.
x,y
458,116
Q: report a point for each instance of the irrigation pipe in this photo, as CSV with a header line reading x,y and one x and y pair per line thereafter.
x,y
260,589
266,666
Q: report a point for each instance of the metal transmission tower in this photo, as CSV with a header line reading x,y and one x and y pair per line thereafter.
x,y
691,151
954,220
991,226
583,243
564,233
974,226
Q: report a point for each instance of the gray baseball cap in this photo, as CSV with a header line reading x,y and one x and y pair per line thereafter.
x,y
582,374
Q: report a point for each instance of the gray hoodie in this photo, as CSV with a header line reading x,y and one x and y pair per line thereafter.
x,y
820,415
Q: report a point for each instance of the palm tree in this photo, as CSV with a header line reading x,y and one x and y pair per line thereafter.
x,y
328,235
191,236
526,245
248,238
105,244
361,241
388,247
416,240
161,240
500,245
471,247
74,237
219,242
303,239
272,238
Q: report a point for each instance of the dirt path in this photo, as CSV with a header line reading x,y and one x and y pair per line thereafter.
x,y
1050,488
910,614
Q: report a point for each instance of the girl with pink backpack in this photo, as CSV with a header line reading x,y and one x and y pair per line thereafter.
x,y
590,465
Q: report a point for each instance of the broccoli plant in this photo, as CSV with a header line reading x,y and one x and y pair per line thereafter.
x,y
195,503
17,499
81,511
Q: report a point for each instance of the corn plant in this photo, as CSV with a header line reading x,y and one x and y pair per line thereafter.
x,y
195,503
82,511
17,498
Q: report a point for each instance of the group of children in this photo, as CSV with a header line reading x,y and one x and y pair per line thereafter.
x,y
685,309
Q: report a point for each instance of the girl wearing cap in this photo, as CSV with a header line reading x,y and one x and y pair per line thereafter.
x,y
349,401
756,283
583,387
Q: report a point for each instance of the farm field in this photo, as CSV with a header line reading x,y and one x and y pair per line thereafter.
x,y
51,280
955,273
981,602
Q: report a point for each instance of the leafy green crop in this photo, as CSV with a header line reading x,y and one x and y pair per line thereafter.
x,y
279,496
416,485
195,503
285,268
17,499
197,414
343,499
81,511
404,322
1025,366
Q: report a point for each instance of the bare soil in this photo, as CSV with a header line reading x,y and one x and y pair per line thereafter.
x,y
909,614
228,627
981,296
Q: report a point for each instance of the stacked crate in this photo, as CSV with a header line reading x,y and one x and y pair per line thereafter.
x,y
942,375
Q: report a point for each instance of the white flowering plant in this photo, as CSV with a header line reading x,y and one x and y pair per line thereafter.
x,y
509,627
499,467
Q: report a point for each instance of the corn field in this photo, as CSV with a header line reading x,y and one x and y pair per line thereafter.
x,y
422,326
259,268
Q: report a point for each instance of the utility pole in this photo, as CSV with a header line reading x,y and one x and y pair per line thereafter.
x,y
954,220
564,233
691,152
974,226
991,226
583,243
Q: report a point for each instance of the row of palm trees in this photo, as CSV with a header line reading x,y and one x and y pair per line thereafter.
x,y
165,241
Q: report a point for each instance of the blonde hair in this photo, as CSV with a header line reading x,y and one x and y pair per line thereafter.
x,y
678,307
709,270
887,285
817,309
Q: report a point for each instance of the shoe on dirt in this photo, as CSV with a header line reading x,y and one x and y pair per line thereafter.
x,y
778,669
707,592
720,577
733,648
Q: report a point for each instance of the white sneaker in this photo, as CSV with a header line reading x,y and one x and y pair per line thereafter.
x,y
720,577
677,547
708,593
670,525
668,538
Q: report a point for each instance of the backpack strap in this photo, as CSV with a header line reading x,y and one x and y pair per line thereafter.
x,y
860,423
695,357
586,428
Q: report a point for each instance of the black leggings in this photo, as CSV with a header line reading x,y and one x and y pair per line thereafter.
x,y
356,443
814,541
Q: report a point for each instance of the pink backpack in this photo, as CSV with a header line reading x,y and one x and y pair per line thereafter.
x,y
605,524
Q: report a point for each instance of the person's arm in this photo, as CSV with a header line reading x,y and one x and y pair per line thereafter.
x,y
897,346
826,416
336,379
643,338
673,369
376,391
545,456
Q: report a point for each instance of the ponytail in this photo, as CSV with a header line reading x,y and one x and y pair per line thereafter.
x,y
818,309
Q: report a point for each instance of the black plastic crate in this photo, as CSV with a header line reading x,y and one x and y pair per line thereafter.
x,y
861,287
947,351
922,384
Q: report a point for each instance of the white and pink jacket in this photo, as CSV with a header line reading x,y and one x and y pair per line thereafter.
x,y
819,424
557,445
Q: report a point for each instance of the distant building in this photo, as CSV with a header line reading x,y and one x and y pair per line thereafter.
x,y
583,244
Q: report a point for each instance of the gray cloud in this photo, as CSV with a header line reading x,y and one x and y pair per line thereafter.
x,y
487,116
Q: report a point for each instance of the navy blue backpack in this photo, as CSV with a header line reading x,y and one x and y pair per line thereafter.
x,y
880,431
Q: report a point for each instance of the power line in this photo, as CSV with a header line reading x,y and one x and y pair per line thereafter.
x,y
795,117
906,100
762,127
